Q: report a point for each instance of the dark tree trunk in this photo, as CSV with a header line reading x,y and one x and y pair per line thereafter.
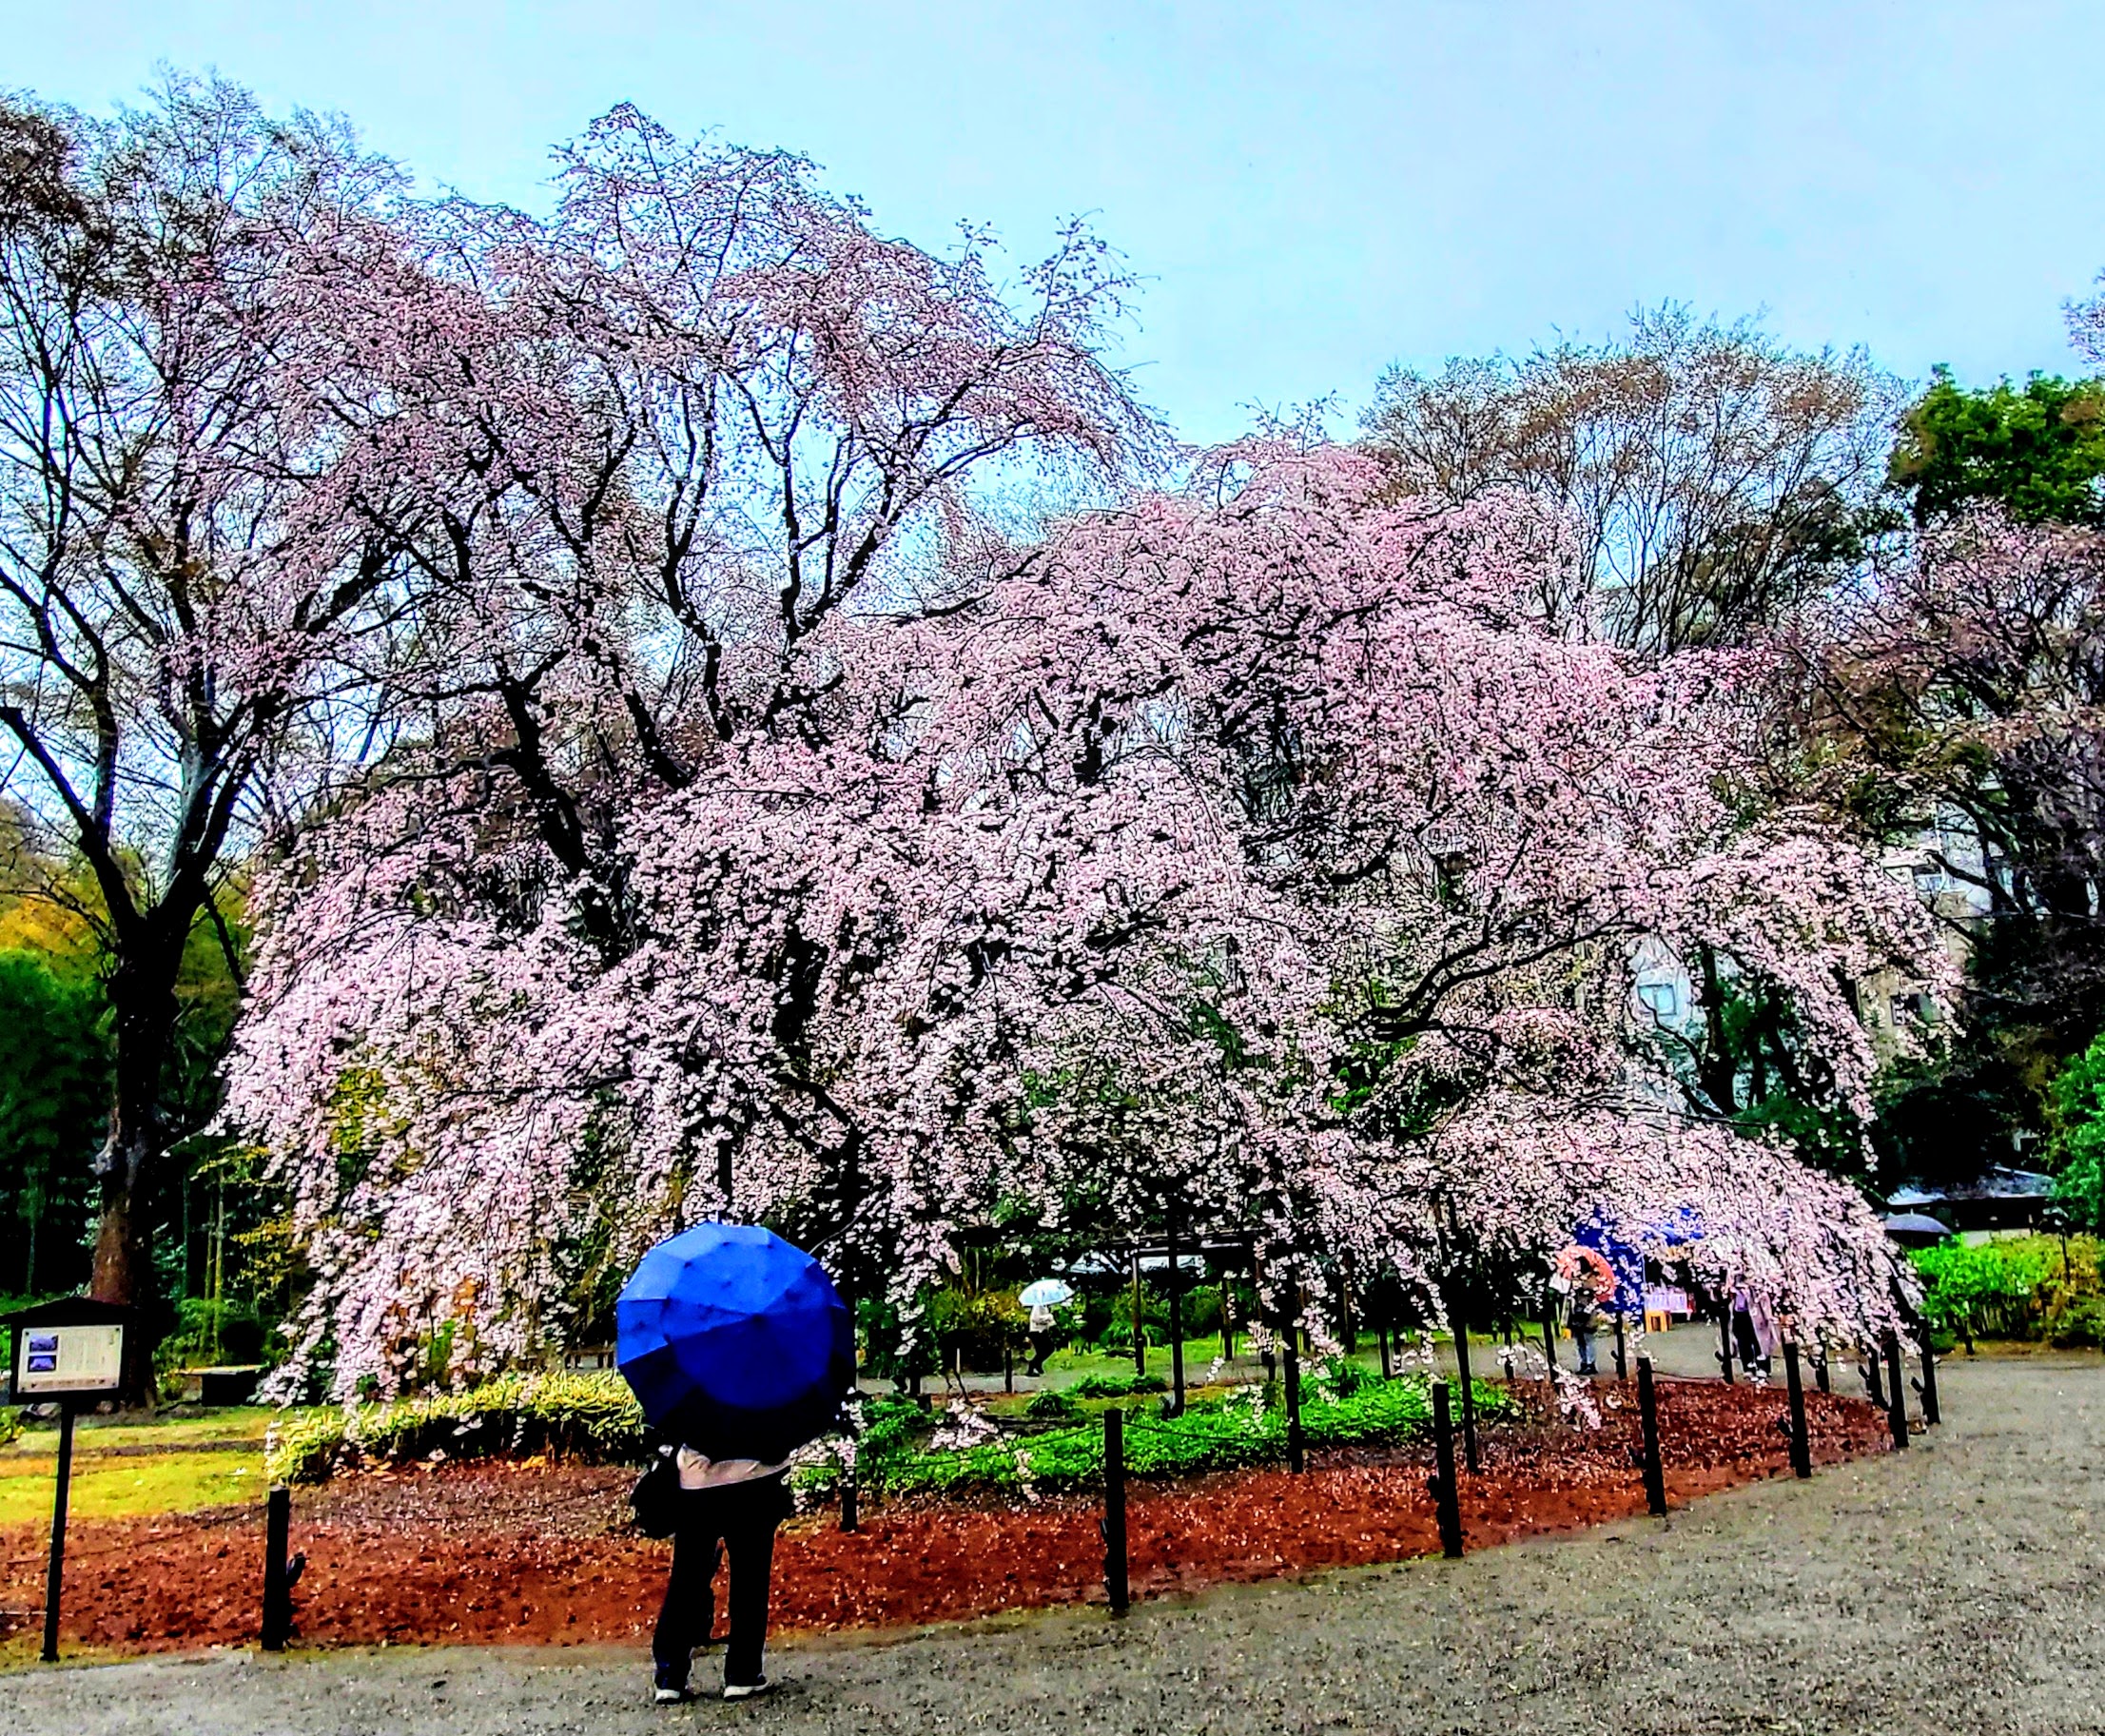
x,y
142,996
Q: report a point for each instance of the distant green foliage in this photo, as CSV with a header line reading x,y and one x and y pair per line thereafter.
x,y
2015,1288
2036,450
2078,1110
594,1417
55,1096
1052,1405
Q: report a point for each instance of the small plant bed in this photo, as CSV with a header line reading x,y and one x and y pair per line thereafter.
x,y
1057,1447
533,1552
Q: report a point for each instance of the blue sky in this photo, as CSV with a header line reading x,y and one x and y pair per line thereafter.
x,y
1311,190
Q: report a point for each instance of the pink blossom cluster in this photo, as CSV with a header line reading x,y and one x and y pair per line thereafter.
x,y
786,834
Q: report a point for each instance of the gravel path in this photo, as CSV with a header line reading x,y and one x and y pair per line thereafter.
x,y
1959,1588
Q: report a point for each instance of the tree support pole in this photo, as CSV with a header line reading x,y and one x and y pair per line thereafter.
x,y
1296,1459
1458,1324
1139,1338
1176,1324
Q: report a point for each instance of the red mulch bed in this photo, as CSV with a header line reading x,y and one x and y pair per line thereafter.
x,y
533,1555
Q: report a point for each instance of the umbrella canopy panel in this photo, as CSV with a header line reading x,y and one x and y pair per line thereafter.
x,y
736,1342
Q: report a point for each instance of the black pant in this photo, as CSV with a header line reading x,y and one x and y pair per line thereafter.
x,y
742,1518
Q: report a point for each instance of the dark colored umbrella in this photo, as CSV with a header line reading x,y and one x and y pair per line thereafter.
x,y
1915,1226
736,1342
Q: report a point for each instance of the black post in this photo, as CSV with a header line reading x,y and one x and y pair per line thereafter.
x,y
55,1574
1175,1325
277,1592
1873,1382
1724,1341
1932,1413
1655,1470
850,1503
1227,1319
1802,1445
1822,1377
1447,1499
1897,1398
1381,1342
1114,1510
1008,1366
1295,1458
1621,1364
1139,1338
1458,1323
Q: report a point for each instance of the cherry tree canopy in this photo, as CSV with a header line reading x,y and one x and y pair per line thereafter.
x,y
1248,851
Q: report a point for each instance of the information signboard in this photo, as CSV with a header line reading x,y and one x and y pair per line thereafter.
x,y
68,1361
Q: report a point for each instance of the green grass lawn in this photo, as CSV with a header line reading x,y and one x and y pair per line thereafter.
x,y
181,1473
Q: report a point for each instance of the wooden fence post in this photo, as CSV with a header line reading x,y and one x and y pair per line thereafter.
x,y
1897,1398
850,1505
1802,1445
1115,1584
1447,1496
1655,1468
1933,1412
280,1575
1622,1363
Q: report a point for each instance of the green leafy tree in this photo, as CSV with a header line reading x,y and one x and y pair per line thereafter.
x,y
54,1096
2036,450
2079,1135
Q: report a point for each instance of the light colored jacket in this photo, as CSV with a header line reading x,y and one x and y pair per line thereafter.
x,y
698,1472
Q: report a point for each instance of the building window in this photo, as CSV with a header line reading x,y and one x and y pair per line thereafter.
x,y
1662,999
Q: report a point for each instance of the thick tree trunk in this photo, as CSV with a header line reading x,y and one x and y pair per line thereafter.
x,y
142,994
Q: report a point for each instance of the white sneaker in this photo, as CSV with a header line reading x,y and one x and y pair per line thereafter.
x,y
747,1690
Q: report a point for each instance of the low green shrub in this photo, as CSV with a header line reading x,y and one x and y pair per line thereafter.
x,y
1116,1386
1243,1430
589,1416
2024,1287
1052,1405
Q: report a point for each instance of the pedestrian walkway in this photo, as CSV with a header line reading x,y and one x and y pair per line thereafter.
x,y
1956,1587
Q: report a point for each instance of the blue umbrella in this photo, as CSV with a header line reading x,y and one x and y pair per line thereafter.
x,y
736,1342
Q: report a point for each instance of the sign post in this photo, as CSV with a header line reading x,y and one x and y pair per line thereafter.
x,y
65,1351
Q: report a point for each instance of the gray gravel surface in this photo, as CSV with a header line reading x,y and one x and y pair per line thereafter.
x,y
1957,1588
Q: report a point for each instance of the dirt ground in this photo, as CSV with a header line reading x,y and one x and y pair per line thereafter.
x,y
536,1553
1959,1586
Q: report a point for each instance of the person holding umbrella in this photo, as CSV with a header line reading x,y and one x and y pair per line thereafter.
x,y
739,1349
1042,1299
